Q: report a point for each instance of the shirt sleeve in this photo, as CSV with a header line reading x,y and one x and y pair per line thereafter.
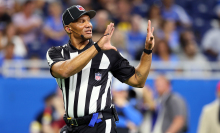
x,y
136,116
208,39
47,24
121,69
179,107
183,16
53,56
204,122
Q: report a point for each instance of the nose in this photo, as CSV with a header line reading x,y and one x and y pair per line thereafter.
x,y
88,24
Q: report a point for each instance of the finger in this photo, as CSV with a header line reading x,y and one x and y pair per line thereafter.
x,y
107,29
152,31
113,25
149,26
111,28
112,31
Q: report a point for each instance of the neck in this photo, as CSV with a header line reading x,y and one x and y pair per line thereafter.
x,y
27,15
165,92
56,17
164,56
78,43
9,37
8,57
167,7
190,56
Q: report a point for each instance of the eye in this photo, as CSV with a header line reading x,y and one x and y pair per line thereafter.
x,y
82,21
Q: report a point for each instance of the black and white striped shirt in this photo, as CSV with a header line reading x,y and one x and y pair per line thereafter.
x,y
89,91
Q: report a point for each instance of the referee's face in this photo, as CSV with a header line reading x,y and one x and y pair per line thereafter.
x,y
82,26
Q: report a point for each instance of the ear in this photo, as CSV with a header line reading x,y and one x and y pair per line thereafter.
x,y
67,29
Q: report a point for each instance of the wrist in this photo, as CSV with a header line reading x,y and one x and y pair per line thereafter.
x,y
148,48
97,47
148,51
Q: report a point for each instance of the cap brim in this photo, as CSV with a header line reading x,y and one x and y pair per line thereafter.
x,y
91,14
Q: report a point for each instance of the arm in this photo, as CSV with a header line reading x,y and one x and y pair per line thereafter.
x,y
122,122
148,98
142,70
127,109
176,125
1,47
207,42
18,22
53,34
65,69
136,116
211,52
24,30
204,123
179,112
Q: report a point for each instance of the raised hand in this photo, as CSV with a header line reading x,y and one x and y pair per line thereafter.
x,y
104,42
149,43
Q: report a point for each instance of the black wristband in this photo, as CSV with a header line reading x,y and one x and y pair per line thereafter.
x,y
97,47
147,51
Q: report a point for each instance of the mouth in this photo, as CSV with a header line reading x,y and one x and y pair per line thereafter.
x,y
88,31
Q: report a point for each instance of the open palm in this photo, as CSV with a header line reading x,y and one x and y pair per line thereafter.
x,y
104,42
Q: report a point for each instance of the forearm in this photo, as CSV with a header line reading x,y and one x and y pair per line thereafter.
x,y
150,103
24,30
1,46
143,69
211,52
136,116
141,72
75,65
122,122
49,33
148,98
53,34
176,125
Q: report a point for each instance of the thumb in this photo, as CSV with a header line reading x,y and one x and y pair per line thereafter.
x,y
112,47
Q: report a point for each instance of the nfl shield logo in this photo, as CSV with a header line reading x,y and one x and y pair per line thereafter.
x,y
80,8
98,76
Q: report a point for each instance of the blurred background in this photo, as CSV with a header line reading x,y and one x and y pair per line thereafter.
x,y
183,79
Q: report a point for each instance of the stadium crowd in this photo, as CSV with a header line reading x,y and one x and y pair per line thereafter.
x,y
29,28
184,31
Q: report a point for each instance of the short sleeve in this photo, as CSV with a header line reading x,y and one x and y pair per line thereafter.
x,y
121,69
179,107
53,56
209,39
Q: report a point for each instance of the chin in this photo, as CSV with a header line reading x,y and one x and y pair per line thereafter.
x,y
88,37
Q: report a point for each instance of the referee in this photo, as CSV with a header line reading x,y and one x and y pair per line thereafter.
x,y
83,70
